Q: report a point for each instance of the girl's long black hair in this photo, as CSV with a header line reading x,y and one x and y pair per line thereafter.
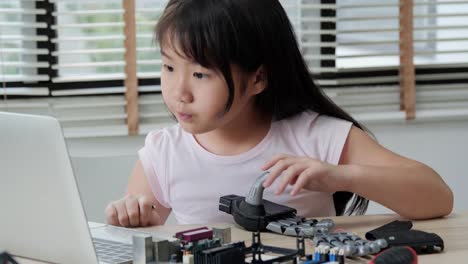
x,y
251,34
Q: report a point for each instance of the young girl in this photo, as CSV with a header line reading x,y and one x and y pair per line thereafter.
x,y
235,80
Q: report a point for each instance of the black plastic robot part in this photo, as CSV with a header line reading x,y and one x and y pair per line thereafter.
x,y
253,212
399,233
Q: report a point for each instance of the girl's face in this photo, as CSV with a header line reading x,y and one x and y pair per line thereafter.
x,y
197,96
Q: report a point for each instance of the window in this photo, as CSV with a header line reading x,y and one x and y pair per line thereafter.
x,y
66,58
90,40
355,53
81,61
19,52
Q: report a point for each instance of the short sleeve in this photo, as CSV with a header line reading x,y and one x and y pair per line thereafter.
x,y
333,134
154,165
320,136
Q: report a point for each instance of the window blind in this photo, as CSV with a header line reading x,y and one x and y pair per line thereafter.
x,y
72,53
357,40
19,64
89,41
352,49
91,44
442,69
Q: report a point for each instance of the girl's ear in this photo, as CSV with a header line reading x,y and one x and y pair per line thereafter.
x,y
260,80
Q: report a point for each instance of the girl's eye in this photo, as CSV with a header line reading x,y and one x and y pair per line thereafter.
x,y
199,75
168,68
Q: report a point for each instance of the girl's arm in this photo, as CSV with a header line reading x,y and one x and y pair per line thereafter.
x,y
138,185
138,207
408,187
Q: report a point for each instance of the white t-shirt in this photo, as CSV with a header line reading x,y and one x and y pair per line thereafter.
x,y
190,180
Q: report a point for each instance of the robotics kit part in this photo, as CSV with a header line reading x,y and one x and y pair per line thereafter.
x,y
351,244
399,233
223,234
236,253
300,226
396,255
143,249
325,254
195,234
230,253
252,212
6,258
254,217
256,214
164,249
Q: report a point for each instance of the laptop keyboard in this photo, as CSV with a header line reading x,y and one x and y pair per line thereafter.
x,y
113,252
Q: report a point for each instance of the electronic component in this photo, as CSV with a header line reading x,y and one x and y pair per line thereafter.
x,y
211,252
230,254
163,249
143,248
187,258
223,234
195,234
325,255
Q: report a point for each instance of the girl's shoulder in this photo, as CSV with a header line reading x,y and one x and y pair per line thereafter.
x,y
311,124
164,135
305,116
319,136
309,119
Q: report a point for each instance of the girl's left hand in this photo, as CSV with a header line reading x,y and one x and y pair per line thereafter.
x,y
303,172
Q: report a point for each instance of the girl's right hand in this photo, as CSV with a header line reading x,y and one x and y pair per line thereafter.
x,y
132,211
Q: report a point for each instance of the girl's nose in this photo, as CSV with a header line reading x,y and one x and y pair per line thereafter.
x,y
183,93
185,97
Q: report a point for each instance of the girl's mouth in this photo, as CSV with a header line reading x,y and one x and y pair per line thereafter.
x,y
184,117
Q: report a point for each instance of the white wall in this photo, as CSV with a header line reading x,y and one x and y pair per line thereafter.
x,y
102,165
441,145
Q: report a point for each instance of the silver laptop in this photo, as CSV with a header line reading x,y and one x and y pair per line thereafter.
x,y
42,216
